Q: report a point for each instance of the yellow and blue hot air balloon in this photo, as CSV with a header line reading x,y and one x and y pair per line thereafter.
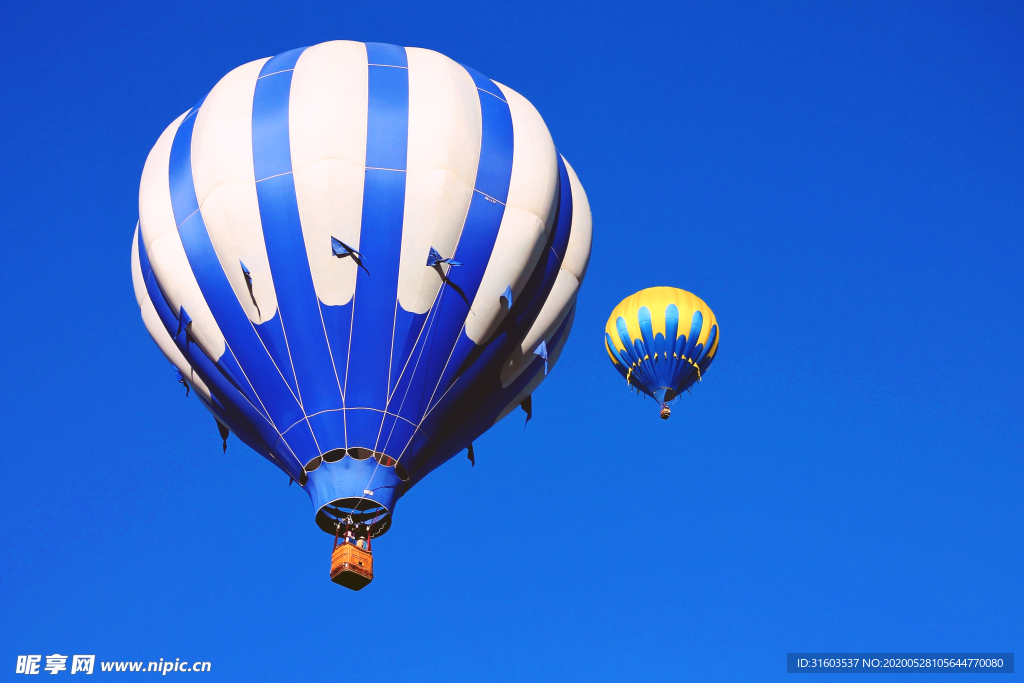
x,y
662,340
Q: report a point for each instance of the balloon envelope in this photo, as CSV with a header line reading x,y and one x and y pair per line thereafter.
x,y
662,340
352,252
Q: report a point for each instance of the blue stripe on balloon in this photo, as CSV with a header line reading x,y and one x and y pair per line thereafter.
x,y
680,349
619,362
409,397
483,83
643,370
270,160
271,333
156,295
627,342
682,366
407,335
329,428
496,142
471,420
376,295
267,382
271,144
183,192
538,287
211,375
696,323
565,211
708,345
671,324
635,351
298,306
387,148
443,360
476,244
671,331
446,341
375,303
283,62
338,325
646,331
387,123
385,54
659,352
480,366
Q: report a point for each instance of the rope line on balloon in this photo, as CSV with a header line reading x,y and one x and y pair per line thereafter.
x,y
338,410
433,392
330,351
384,416
369,533
424,330
348,352
439,400
418,426
253,326
433,314
288,348
280,437
387,390
264,413
438,303
391,356
277,310
266,416
438,300
272,361
432,317
430,402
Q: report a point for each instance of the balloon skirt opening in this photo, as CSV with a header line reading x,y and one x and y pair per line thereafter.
x,y
359,511
363,491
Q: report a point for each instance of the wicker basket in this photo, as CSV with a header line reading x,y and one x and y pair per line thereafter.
x,y
351,567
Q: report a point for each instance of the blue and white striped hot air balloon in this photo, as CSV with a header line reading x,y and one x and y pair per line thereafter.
x,y
361,257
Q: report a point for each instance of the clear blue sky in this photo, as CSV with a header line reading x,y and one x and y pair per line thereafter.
x,y
843,183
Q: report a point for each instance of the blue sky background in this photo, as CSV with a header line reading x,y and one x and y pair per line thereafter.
x,y
843,183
